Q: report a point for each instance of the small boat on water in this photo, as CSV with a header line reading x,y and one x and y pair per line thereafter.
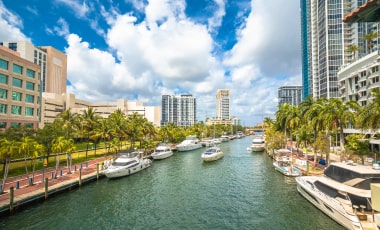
x,y
162,151
212,154
191,142
258,143
127,163
283,163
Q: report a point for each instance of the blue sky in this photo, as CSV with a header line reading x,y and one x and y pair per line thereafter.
x,y
139,50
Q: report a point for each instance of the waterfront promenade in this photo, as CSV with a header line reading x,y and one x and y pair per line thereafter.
x,y
24,193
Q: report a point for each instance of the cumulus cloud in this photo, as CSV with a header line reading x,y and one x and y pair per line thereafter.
x,y
10,25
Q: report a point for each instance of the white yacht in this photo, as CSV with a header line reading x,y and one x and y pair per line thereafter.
x,y
258,143
344,194
162,151
126,164
212,154
283,163
224,138
191,142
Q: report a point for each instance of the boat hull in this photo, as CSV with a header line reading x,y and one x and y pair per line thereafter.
x,y
183,148
112,172
162,155
257,148
212,157
287,170
330,206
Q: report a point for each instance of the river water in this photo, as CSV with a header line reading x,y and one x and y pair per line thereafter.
x,y
240,191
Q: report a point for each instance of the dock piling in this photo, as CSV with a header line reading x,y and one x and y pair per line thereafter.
x,y
11,200
46,188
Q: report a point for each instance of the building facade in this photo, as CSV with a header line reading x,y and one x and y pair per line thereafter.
x,y
328,43
223,104
180,110
53,64
19,90
54,104
290,94
357,80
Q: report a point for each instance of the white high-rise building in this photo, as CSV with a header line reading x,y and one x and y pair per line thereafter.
x,y
180,110
223,104
326,44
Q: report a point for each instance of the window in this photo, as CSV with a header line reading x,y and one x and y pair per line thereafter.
x,y
30,73
15,109
29,125
29,98
3,79
17,69
12,46
29,85
3,64
17,82
3,93
29,111
16,96
15,124
3,124
3,108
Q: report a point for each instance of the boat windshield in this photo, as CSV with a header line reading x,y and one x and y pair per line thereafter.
x,y
124,163
344,174
210,151
366,184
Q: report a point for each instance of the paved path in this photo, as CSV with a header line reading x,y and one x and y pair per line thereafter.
x,y
24,193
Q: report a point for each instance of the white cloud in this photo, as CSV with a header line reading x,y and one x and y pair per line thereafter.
x,y
79,9
11,25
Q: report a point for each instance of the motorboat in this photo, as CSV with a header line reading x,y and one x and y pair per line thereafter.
x,y
283,162
216,141
127,163
162,151
212,154
344,193
224,138
190,143
258,143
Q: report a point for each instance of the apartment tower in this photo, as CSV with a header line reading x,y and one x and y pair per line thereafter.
x,y
180,110
223,104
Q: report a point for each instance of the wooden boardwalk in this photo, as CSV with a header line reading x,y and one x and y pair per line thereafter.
x,y
25,194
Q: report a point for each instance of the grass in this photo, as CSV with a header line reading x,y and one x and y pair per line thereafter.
x,y
17,168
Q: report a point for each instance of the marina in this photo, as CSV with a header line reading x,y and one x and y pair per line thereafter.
x,y
240,191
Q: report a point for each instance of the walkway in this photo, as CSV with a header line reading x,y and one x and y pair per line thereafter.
x,y
25,193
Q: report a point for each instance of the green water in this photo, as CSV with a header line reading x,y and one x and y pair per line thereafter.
x,y
240,191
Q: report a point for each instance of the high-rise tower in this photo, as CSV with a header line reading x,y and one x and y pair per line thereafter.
x,y
223,104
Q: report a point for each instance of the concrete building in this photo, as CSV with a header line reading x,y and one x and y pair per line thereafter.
x,y
357,80
326,43
223,104
180,110
19,90
53,104
53,64
290,94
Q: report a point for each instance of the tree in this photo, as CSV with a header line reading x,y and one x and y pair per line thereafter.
x,y
358,145
369,116
27,146
352,49
68,118
369,39
58,147
7,149
89,119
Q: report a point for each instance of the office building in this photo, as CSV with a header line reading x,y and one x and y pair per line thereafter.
x,y
180,110
328,43
19,90
53,64
223,104
54,104
290,94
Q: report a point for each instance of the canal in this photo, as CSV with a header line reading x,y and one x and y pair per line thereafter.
x,y
240,191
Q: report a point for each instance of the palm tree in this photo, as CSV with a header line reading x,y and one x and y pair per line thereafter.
x,y
89,119
7,149
58,147
352,49
104,131
369,116
68,119
134,130
118,124
27,146
369,38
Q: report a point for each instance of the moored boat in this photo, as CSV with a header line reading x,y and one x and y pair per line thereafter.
x,y
162,151
283,163
127,163
344,194
190,143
